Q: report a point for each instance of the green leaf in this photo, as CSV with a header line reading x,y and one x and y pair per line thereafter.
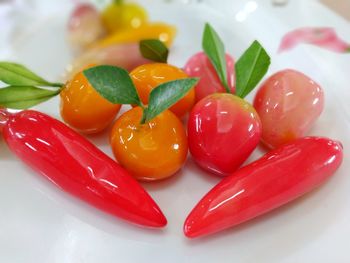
x,y
251,68
23,97
215,50
167,94
18,75
114,84
154,49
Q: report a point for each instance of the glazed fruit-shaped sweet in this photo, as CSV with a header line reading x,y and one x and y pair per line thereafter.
x,y
3,118
288,104
78,167
223,129
151,151
147,77
119,15
83,108
149,141
275,179
199,65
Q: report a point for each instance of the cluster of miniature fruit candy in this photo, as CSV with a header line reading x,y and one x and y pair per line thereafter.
x,y
105,37
223,129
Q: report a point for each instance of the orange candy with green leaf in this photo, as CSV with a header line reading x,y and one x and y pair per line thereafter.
x,y
149,141
148,76
83,108
138,147
90,102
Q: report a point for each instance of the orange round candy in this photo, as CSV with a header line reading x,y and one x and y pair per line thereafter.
x,y
151,151
83,108
147,77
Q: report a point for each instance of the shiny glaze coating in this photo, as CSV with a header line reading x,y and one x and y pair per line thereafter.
x,y
273,180
78,167
200,66
3,118
151,151
223,130
288,104
164,32
147,77
83,108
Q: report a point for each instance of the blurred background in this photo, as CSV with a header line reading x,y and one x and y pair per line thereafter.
x,y
54,40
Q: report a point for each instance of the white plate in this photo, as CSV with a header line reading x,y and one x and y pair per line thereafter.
x,y
39,223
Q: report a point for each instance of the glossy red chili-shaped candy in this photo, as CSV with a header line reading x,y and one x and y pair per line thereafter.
x,y
79,168
275,179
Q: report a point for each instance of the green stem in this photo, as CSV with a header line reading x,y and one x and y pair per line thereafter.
x,y
143,119
58,92
228,90
144,115
58,85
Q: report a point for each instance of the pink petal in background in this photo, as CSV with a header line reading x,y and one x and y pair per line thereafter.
x,y
322,37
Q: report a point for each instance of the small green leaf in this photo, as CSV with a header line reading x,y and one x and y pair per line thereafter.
x,y
114,84
23,97
18,75
215,50
251,68
167,94
154,49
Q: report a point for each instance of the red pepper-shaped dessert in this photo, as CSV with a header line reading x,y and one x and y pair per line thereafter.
x,y
275,179
78,167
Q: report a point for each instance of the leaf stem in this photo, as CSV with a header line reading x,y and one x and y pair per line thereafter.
x,y
57,84
227,87
142,105
144,115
